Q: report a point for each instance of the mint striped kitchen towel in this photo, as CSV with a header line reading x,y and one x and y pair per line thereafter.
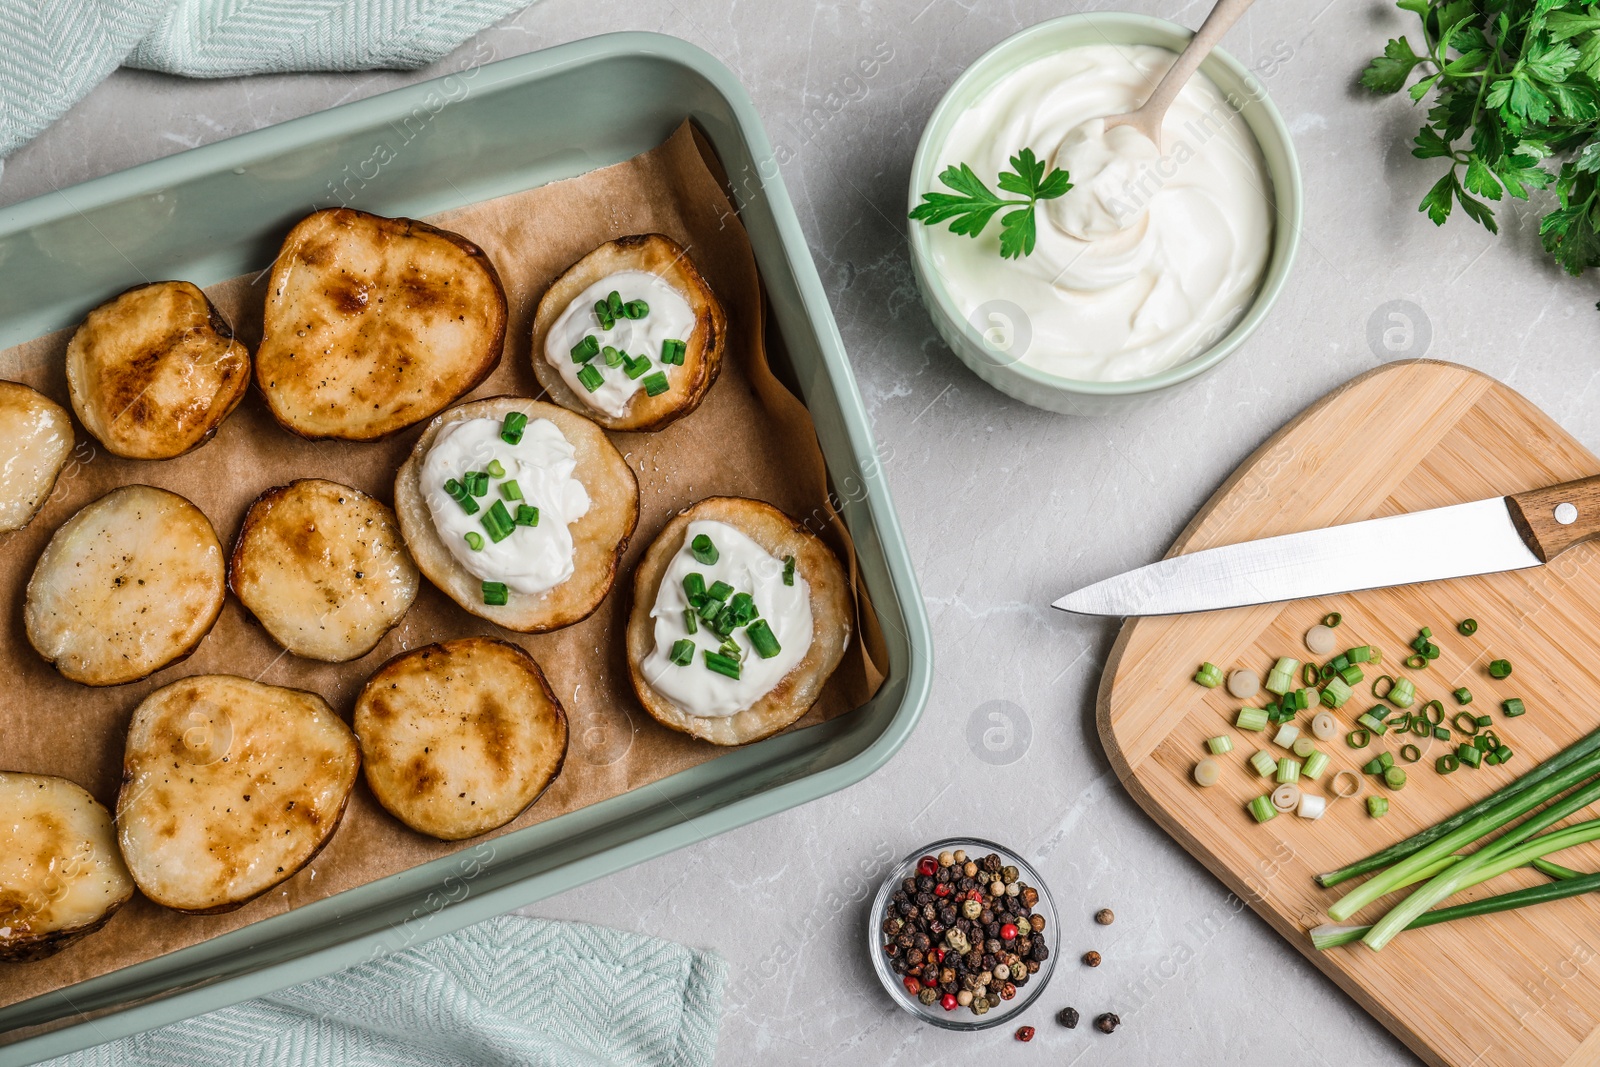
x,y
510,991
57,50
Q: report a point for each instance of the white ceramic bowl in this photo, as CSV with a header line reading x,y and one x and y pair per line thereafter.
x,y
1001,368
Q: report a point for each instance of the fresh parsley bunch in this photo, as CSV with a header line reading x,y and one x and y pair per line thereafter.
x,y
1515,83
972,205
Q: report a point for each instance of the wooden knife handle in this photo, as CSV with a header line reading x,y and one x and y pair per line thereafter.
x,y
1553,520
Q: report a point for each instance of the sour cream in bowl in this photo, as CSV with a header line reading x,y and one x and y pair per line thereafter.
x,y
1159,260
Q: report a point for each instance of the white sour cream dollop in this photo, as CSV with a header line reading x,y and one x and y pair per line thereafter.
x,y
748,568
532,559
669,318
1151,257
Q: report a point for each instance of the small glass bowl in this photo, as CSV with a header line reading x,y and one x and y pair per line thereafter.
x,y
961,1018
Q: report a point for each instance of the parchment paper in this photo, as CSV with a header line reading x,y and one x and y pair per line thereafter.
x,y
750,437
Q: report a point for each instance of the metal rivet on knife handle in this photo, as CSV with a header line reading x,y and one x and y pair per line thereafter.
x,y
1553,520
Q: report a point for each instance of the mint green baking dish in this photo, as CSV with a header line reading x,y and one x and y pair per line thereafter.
x,y
219,211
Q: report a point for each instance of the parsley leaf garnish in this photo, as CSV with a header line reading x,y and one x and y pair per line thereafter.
x,y
1513,84
973,204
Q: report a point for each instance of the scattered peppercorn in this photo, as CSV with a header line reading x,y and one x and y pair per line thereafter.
x,y
1068,1017
1105,917
1107,1023
1091,958
961,932
1024,1033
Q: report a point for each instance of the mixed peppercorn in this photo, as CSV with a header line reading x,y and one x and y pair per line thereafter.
x,y
961,932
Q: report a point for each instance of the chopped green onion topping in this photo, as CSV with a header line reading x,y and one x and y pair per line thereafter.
x,y
590,377
602,315
1288,771
586,349
1467,627
704,550
612,356
1371,722
691,621
1394,778
1261,808
694,587
725,665
1403,693
1314,766
1463,695
1500,668
510,490
1337,692
477,482
1377,807
682,652
1435,712
1469,755
1381,680
1251,719
672,351
527,515
655,384
1332,619
720,590
497,522
1441,733
1281,678
635,309
511,429
455,490
1360,654
634,366
469,505
1417,662
1465,724
1352,675
474,540
495,469
762,639
1220,745
1513,707
1410,753
1484,720
496,594
614,304
1446,763
730,648
1358,738
1265,763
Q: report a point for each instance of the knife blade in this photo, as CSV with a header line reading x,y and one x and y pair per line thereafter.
x,y
1483,537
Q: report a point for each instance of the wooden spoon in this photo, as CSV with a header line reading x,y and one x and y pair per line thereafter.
x,y
1147,118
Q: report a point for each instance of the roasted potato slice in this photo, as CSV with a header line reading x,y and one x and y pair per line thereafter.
x,y
323,568
651,253
35,441
831,618
229,787
599,538
61,874
460,738
129,584
154,372
373,324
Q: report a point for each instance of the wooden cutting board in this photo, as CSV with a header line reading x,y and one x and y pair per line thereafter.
x,y
1516,988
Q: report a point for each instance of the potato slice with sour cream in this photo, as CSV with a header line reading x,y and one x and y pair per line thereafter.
x,y
154,371
229,787
128,585
323,568
61,873
528,555
706,703
460,738
662,299
35,441
373,324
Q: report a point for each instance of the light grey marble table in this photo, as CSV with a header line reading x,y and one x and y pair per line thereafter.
x,y
1040,501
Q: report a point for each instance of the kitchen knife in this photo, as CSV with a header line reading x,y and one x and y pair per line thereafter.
x,y
1499,534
